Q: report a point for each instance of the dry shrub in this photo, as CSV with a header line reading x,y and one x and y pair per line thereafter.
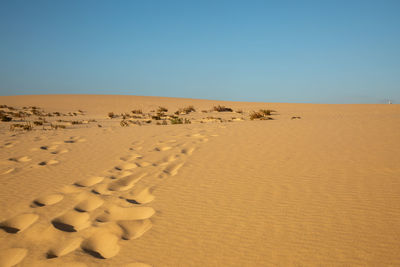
x,y
124,123
137,111
220,108
5,118
162,109
261,115
111,115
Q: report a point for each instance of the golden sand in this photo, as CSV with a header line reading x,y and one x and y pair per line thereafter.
x,y
319,190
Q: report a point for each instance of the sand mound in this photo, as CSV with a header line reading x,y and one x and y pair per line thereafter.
x,y
89,204
134,229
89,181
63,248
102,245
72,221
19,223
48,200
116,213
12,256
125,183
142,197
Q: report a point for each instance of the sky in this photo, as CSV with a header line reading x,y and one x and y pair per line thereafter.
x,y
264,51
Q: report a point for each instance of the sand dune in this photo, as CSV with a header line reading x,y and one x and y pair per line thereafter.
x,y
316,186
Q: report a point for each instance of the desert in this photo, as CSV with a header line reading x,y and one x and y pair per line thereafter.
x,y
306,185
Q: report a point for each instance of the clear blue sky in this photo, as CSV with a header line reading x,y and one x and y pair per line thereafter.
x,y
274,51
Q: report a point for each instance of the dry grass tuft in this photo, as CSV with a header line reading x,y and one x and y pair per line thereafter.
x,y
220,108
261,115
162,109
137,111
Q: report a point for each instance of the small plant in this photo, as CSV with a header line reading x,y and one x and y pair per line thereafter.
x,y
220,108
267,111
37,123
111,115
176,121
185,110
124,123
137,111
162,109
5,118
56,126
26,127
239,111
261,115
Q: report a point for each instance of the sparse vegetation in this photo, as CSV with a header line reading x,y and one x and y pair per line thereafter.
x,y
124,123
185,110
137,111
5,118
267,112
162,109
111,115
220,108
56,126
261,115
26,127
176,121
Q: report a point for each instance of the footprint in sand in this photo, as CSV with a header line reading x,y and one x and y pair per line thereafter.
x,y
52,147
188,151
144,196
19,223
48,200
12,256
162,148
173,168
102,189
125,183
101,244
131,157
8,145
49,162
8,170
73,140
166,160
20,159
89,204
64,248
116,213
89,181
120,174
143,164
134,229
62,151
125,166
72,221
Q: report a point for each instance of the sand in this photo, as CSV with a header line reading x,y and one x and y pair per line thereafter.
x,y
319,190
